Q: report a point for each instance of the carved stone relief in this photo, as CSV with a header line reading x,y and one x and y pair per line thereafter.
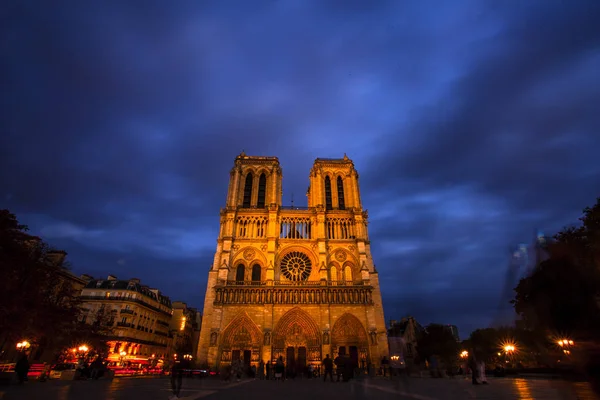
x,y
249,254
340,255
263,247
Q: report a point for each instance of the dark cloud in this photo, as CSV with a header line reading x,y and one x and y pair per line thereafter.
x,y
472,125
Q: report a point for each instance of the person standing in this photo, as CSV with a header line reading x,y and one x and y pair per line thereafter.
x,y
472,363
22,368
176,379
328,366
261,370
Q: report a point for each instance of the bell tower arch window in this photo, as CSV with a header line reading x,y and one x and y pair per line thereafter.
x,y
247,191
239,273
256,273
328,202
340,190
262,189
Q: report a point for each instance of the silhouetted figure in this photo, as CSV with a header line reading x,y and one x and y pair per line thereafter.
x,y
176,377
339,366
473,366
96,367
328,366
279,369
261,370
22,368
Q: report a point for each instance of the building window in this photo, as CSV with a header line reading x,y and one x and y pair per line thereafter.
x,y
328,203
340,189
262,189
256,273
247,191
239,273
348,274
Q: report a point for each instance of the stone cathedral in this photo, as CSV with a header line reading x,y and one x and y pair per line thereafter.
x,y
296,282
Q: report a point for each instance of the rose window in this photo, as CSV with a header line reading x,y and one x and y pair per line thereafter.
x,y
296,266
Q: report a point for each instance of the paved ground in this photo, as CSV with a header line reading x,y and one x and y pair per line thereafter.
x,y
378,388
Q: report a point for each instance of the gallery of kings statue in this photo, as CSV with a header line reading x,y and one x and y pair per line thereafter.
x,y
295,282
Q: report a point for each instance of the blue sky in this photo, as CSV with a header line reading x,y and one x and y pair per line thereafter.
x,y
472,124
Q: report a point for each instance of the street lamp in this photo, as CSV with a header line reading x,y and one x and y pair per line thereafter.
x,y
464,354
24,345
566,344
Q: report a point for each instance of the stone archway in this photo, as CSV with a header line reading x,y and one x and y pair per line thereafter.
x,y
297,339
349,337
241,339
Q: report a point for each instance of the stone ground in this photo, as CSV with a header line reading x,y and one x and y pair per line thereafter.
x,y
377,388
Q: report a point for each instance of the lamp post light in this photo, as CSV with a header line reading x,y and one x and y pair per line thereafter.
x,y
24,345
122,355
566,345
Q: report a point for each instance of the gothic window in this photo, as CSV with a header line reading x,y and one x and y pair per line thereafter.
x,y
333,274
340,189
328,203
262,189
256,273
348,274
239,273
247,191
296,266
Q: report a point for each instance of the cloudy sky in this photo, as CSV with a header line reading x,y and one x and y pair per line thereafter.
x,y
472,124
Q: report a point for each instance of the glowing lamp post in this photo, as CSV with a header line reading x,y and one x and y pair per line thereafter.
x,y
566,345
24,345
464,354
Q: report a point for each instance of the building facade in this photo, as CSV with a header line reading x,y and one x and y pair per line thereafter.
x,y
409,330
295,282
184,329
140,318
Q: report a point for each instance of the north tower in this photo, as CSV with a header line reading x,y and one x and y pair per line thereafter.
x,y
296,282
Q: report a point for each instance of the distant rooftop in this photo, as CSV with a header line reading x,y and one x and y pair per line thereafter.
x,y
244,156
345,159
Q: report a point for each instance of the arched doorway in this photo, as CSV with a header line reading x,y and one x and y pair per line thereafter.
x,y
349,337
241,340
298,340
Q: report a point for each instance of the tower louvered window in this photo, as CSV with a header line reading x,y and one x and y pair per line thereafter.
x,y
340,189
328,202
262,189
247,191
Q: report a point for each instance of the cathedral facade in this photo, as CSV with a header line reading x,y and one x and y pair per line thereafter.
x,y
296,282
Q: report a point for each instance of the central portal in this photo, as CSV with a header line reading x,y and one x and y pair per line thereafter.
x,y
296,359
296,339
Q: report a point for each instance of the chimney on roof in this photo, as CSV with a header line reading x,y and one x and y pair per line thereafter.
x,y
111,278
134,280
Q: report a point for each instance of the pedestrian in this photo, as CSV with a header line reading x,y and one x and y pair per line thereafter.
x,y
176,379
474,368
22,368
261,370
328,366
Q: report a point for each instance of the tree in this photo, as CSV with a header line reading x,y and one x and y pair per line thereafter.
x,y
38,302
437,340
562,296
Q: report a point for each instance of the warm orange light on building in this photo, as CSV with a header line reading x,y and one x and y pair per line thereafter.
x,y
182,326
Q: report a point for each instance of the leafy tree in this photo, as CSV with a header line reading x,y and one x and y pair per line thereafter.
x,y
563,294
38,302
437,340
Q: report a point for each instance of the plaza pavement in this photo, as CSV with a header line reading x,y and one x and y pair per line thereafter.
x,y
313,389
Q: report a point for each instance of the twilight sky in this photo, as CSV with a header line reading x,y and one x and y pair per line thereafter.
x,y
471,123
